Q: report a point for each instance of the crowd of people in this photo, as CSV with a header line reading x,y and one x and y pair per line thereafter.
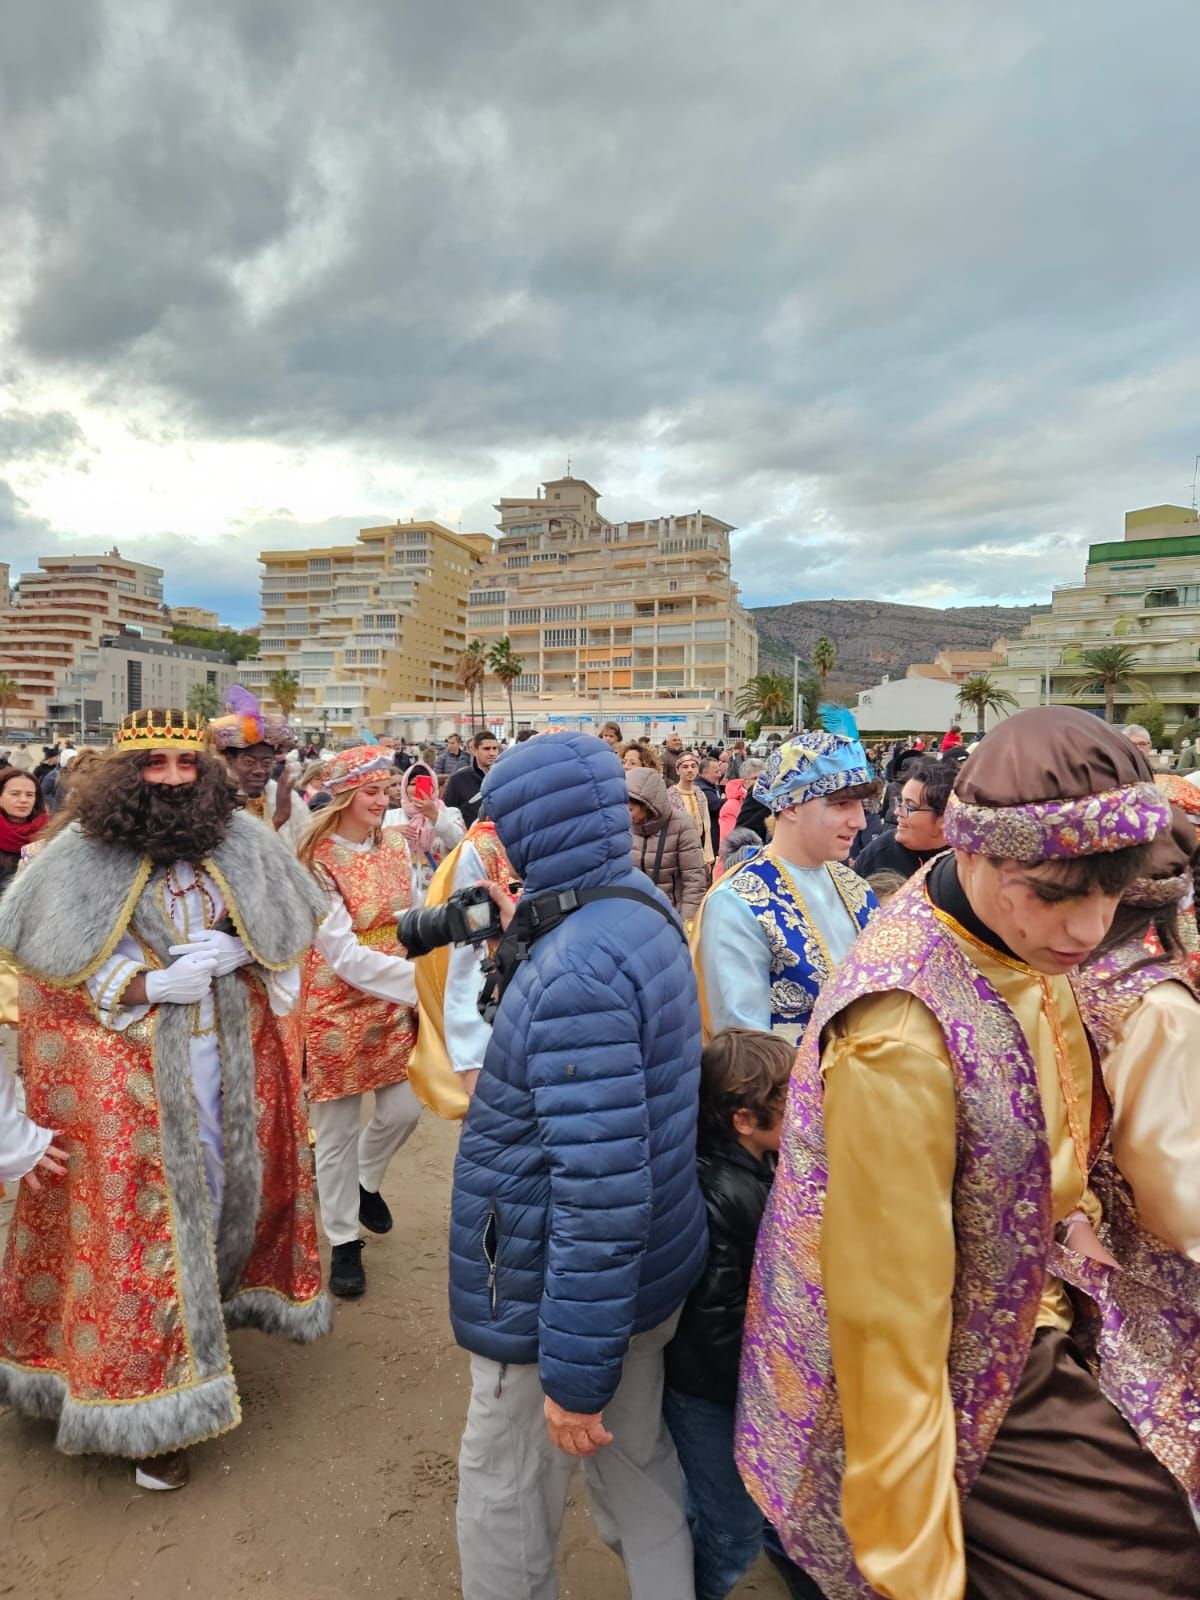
x,y
829,1173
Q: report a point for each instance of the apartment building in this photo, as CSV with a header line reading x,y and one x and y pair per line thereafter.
x,y
1142,591
634,620
194,617
126,672
64,609
364,625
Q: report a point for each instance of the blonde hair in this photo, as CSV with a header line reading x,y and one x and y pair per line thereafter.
x,y
325,823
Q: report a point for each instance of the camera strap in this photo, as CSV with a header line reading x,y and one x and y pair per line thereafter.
x,y
535,918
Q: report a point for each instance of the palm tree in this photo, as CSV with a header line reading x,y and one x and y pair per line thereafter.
x,y
476,649
468,674
1106,669
10,695
811,692
981,694
767,698
507,667
824,658
285,690
204,701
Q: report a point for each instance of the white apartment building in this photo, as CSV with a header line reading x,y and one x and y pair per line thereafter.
x,y
1142,591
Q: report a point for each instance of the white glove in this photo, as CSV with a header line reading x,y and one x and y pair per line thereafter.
x,y
226,949
183,982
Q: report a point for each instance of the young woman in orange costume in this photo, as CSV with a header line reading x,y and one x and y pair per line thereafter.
x,y
360,999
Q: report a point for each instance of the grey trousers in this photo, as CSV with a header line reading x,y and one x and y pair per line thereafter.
x,y
512,1484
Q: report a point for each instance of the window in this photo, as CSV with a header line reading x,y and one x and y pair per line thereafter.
x,y
712,630
561,613
368,657
488,597
525,614
560,638
527,683
517,561
675,632
597,613
319,564
487,619
552,555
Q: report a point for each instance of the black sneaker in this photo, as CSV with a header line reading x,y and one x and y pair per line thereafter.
x,y
373,1211
346,1276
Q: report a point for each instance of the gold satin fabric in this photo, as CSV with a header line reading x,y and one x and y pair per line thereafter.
x,y
1153,1080
430,1070
888,1256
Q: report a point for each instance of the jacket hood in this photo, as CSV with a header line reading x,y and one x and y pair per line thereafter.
x,y
735,789
646,785
561,809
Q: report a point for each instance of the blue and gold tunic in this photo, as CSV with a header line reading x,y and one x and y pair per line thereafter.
x,y
770,936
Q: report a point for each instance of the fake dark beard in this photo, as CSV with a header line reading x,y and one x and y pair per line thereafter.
x,y
174,823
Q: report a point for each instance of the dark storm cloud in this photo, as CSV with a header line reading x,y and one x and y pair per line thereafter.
x,y
905,285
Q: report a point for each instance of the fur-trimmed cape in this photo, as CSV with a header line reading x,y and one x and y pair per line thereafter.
x,y
115,1296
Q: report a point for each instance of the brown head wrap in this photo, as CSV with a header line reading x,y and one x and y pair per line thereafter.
x,y
1052,784
1168,874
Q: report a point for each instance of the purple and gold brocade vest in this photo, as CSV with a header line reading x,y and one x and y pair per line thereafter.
x,y
1145,1329
790,1445
800,963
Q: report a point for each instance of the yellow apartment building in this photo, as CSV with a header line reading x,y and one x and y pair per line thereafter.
x,y
367,624
639,622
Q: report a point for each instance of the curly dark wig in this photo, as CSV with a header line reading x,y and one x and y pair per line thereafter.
x,y
166,822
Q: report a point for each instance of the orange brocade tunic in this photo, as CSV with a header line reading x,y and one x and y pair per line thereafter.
x,y
354,1042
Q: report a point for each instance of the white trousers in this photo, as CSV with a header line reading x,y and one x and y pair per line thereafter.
x,y
349,1154
512,1483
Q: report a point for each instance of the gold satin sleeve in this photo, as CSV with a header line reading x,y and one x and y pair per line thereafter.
x,y
1153,1080
888,1263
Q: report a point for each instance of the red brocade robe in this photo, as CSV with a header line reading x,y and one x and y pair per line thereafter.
x,y
117,1291
354,1041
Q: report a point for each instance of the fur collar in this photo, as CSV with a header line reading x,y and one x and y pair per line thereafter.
x,y
64,913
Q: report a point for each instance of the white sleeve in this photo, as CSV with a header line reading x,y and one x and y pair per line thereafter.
x,y
374,972
109,982
283,989
22,1142
735,961
296,826
449,827
467,1034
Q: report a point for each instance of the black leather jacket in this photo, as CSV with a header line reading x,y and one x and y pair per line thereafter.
x,y
702,1359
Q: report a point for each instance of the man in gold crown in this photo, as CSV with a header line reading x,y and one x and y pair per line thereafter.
x,y
158,939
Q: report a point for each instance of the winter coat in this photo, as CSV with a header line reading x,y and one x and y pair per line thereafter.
x,y
715,801
448,763
681,874
576,1219
886,854
702,1359
735,793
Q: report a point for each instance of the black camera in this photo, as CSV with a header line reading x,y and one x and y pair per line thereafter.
x,y
469,916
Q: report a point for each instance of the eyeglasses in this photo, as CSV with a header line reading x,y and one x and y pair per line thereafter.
x,y
907,809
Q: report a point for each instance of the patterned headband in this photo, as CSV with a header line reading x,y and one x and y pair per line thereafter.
x,y
1155,892
350,769
812,766
1059,830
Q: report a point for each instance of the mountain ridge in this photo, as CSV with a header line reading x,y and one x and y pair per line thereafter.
x,y
874,637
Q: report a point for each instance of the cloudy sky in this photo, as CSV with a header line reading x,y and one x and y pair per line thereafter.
x,y
908,292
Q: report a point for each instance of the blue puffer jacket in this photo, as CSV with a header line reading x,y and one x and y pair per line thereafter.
x,y
577,1219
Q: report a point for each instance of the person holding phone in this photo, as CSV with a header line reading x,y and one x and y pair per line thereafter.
x,y
431,829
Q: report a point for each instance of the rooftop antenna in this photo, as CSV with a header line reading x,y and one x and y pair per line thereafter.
x,y
569,467
1195,475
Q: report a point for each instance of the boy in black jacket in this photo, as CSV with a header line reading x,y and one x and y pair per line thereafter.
x,y
743,1086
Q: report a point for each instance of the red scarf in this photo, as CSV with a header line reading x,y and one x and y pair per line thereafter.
x,y
14,836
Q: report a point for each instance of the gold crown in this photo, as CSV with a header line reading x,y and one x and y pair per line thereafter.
x,y
153,728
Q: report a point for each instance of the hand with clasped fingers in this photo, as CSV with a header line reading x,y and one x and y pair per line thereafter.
x,y
576,1433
